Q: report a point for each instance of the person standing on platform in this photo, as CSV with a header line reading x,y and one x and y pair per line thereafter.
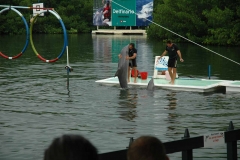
x,y
132,57
173,52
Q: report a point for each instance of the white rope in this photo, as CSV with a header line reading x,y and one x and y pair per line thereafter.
x,y
181,36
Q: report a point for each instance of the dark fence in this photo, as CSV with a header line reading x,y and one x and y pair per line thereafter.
x,y
186,146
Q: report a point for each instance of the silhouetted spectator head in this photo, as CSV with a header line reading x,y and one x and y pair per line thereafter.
x,y
147,148
71,147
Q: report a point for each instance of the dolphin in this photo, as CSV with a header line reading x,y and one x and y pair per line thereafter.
x,y
150,85
122,71
98,17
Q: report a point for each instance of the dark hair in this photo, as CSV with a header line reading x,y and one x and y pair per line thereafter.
x,y
132,44
146,148
71,147
169,42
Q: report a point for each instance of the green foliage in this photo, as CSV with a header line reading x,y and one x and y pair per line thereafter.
x,y
222,28
175,16
10,17
214,22
76,15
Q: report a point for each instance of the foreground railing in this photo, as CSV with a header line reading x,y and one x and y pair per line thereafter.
x,y
187,144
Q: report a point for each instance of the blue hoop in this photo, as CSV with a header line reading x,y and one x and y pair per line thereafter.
x,y
27,34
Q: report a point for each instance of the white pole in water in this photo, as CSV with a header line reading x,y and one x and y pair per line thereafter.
x,y
67,56
68,69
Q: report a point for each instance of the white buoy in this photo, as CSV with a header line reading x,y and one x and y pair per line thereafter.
x,y
167,75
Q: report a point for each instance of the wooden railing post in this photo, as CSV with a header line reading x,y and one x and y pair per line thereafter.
x,y
231,146
187,154
185,145
130,141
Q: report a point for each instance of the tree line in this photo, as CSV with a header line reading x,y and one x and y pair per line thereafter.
x,y
76,15
215,22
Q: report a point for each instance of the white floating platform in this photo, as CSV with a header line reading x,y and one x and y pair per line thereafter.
x,y
182,84
120,32
232,86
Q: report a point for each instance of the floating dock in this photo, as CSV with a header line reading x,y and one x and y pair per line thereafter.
x,y
182,84
120,32
232,86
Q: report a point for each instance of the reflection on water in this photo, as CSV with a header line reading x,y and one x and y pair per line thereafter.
x,y
107,48
172,116
172,100
127,104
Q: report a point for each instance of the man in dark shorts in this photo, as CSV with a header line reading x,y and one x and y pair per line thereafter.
x,y
173,53
132,57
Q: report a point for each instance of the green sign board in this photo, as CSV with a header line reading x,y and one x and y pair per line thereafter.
x,y
124,13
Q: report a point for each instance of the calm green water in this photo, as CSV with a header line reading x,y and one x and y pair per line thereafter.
x,y
35,105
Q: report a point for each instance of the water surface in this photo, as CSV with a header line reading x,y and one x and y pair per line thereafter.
x,y
36,106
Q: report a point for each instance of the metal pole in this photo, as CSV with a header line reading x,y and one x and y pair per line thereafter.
x,y
187,154
69,69
68,79
130,142
24,7
231,146
209,71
